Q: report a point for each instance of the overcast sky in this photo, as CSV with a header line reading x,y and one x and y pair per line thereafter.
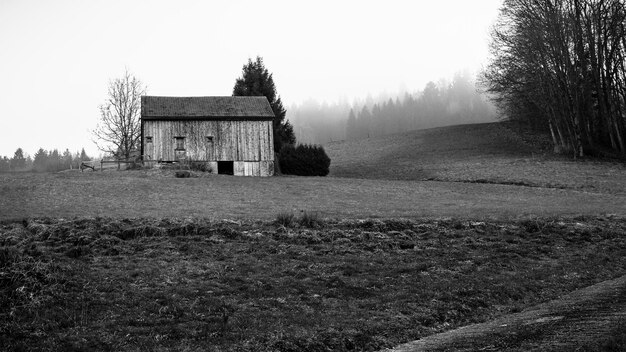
x,y
56,57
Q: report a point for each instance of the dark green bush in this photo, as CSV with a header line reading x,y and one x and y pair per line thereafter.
x,y
304,160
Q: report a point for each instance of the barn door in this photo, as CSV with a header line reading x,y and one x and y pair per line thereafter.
x,y
225,168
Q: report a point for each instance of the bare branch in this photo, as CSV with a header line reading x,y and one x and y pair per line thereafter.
x,y
119,129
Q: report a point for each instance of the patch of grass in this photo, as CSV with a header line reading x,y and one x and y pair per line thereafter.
x,y
307,219
29,281
349,285
182,174
615,341
310,219
200,166
286,219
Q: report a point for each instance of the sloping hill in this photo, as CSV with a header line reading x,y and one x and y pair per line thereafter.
x,y
478,153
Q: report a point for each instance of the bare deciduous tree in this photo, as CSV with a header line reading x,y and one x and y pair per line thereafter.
x,y
119,129
560,64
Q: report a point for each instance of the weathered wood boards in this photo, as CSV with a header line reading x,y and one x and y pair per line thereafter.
x,y
209,140
210,129
247,168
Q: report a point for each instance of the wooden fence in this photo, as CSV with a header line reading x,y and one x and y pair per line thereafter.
x,y
120,164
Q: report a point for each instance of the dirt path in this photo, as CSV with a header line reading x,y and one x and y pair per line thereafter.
x,y
579,321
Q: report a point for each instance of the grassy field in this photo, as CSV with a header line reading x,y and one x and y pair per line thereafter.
x,y
411,234
303,285
147,194
471,171
484,153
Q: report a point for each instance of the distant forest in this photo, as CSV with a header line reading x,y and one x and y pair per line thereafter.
x,y
43,161
438,104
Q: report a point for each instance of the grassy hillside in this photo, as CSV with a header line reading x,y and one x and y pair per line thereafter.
x,y
478,153
418,155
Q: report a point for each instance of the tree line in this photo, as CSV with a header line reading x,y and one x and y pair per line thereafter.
x,y
43,161
438,104
559,65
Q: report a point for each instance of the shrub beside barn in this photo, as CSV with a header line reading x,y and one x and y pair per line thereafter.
x,y
231,135
304,160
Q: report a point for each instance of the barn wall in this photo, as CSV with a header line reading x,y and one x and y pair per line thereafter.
x,y
245,141
251,168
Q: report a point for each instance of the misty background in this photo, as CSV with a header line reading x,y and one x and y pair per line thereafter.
x,y
397,65
438,104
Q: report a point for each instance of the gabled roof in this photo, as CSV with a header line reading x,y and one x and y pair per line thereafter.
x,y
192,108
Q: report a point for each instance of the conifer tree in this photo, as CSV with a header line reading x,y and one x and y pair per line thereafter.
x,y
5,164
18,162
40,163
67,159
84,156
256,80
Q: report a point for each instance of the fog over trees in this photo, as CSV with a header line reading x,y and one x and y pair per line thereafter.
x,y
438,104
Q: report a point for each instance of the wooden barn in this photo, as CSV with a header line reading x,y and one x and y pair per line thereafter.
x,y
233,135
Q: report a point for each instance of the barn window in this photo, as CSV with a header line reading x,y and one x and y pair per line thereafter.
x,y
148,139
180,143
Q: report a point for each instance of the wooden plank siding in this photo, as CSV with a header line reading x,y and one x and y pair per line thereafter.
x,y
253,168
232,132
248,143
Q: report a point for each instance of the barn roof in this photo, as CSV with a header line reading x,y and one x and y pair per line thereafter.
x,y
162,108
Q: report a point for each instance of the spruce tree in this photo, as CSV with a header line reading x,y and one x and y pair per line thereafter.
x,y
67,159
18,162
256,80
40,163
84,156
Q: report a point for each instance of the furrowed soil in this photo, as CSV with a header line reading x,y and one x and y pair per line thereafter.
x,y
302,284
